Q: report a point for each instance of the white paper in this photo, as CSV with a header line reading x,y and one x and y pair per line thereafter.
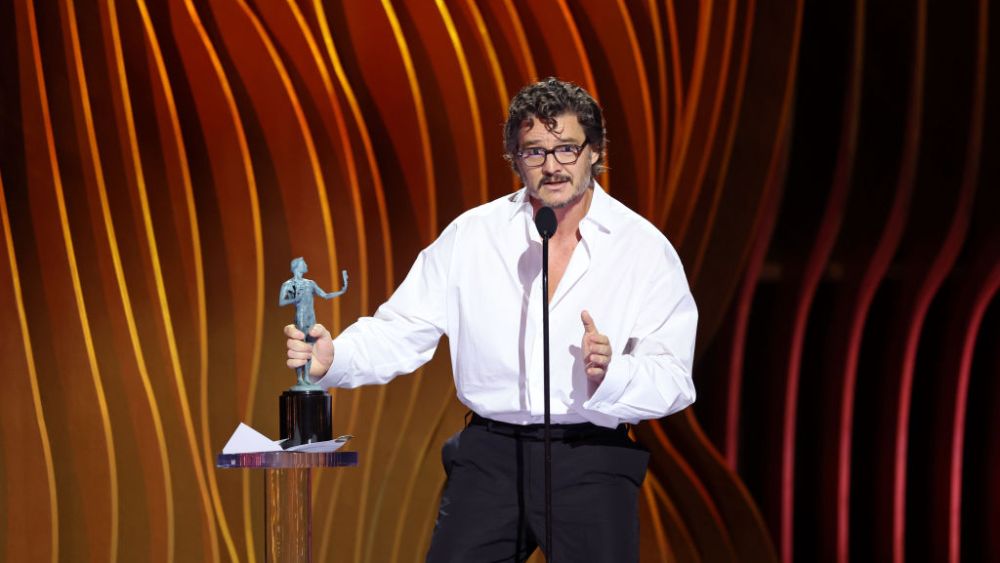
x,y
327,446
246,440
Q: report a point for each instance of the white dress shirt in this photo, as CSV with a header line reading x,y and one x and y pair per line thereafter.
x,y
479,284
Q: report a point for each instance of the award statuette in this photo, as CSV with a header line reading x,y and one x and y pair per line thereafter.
x,y
305,408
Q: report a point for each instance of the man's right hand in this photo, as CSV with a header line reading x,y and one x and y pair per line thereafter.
x,y
300,351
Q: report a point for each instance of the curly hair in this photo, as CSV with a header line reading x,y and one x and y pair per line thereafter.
x,y
547,100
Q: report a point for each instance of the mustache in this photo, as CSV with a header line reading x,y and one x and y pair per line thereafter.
x,y
555,179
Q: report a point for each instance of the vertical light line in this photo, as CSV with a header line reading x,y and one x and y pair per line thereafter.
x,y
109,230
470,92
713,126
411,482
574,33
432,232
102,403
36,398
335,493
686,124
657,520
677,523
738,91
310,145
147,223
491,53
647,108
366,141
411,404
695,481
227,93
522,40
972,170
661,83
199,274
772,186
418,103
352,169
675,60
734,478
352,175
383,221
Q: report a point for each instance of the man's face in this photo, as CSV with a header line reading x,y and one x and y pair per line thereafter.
x,y
555,184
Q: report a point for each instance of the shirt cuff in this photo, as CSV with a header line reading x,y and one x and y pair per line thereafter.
x,y
616,379
343,354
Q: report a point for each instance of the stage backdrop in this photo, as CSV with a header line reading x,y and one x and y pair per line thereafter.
x,y
827,171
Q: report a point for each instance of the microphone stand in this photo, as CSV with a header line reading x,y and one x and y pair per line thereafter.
x,y
545,221
548,411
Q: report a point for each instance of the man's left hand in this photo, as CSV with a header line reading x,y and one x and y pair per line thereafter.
x,y
596,349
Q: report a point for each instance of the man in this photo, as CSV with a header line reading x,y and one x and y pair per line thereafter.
x,y
622,330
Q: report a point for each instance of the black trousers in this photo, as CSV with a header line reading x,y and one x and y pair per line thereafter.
x,y
493,505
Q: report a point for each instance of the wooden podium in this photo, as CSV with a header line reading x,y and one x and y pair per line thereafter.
x,y
287,496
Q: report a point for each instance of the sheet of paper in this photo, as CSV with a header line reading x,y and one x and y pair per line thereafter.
x,y
246,440
327,446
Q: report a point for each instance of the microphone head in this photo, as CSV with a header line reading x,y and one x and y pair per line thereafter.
x,y
545,222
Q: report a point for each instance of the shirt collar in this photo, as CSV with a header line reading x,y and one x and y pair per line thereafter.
x,y
600,213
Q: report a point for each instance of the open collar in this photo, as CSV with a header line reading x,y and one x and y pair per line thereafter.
x,y
601,213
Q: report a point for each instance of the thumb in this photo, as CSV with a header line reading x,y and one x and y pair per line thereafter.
x,y
588,323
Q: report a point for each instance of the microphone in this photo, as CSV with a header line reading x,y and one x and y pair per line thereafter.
x,y
545,222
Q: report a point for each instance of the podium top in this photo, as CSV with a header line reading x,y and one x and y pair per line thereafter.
x,y
286,460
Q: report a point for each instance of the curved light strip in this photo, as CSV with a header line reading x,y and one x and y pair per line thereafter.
x,y
102,404
522,41
662,135
393,459
906,184
80,81
675,61
491,53
684,126
421,115
659,532
411,483
708,145
359,121
329,107
470,92
677,523
993,284
424,133
199,274
647,111
765,225
310,144
36,398
247,410
364,283
128,129
956,461
578,47
383,221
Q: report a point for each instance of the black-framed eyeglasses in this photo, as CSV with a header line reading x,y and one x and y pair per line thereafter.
x,y
564,154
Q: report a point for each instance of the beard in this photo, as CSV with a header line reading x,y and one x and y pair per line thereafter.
x,y
577,194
